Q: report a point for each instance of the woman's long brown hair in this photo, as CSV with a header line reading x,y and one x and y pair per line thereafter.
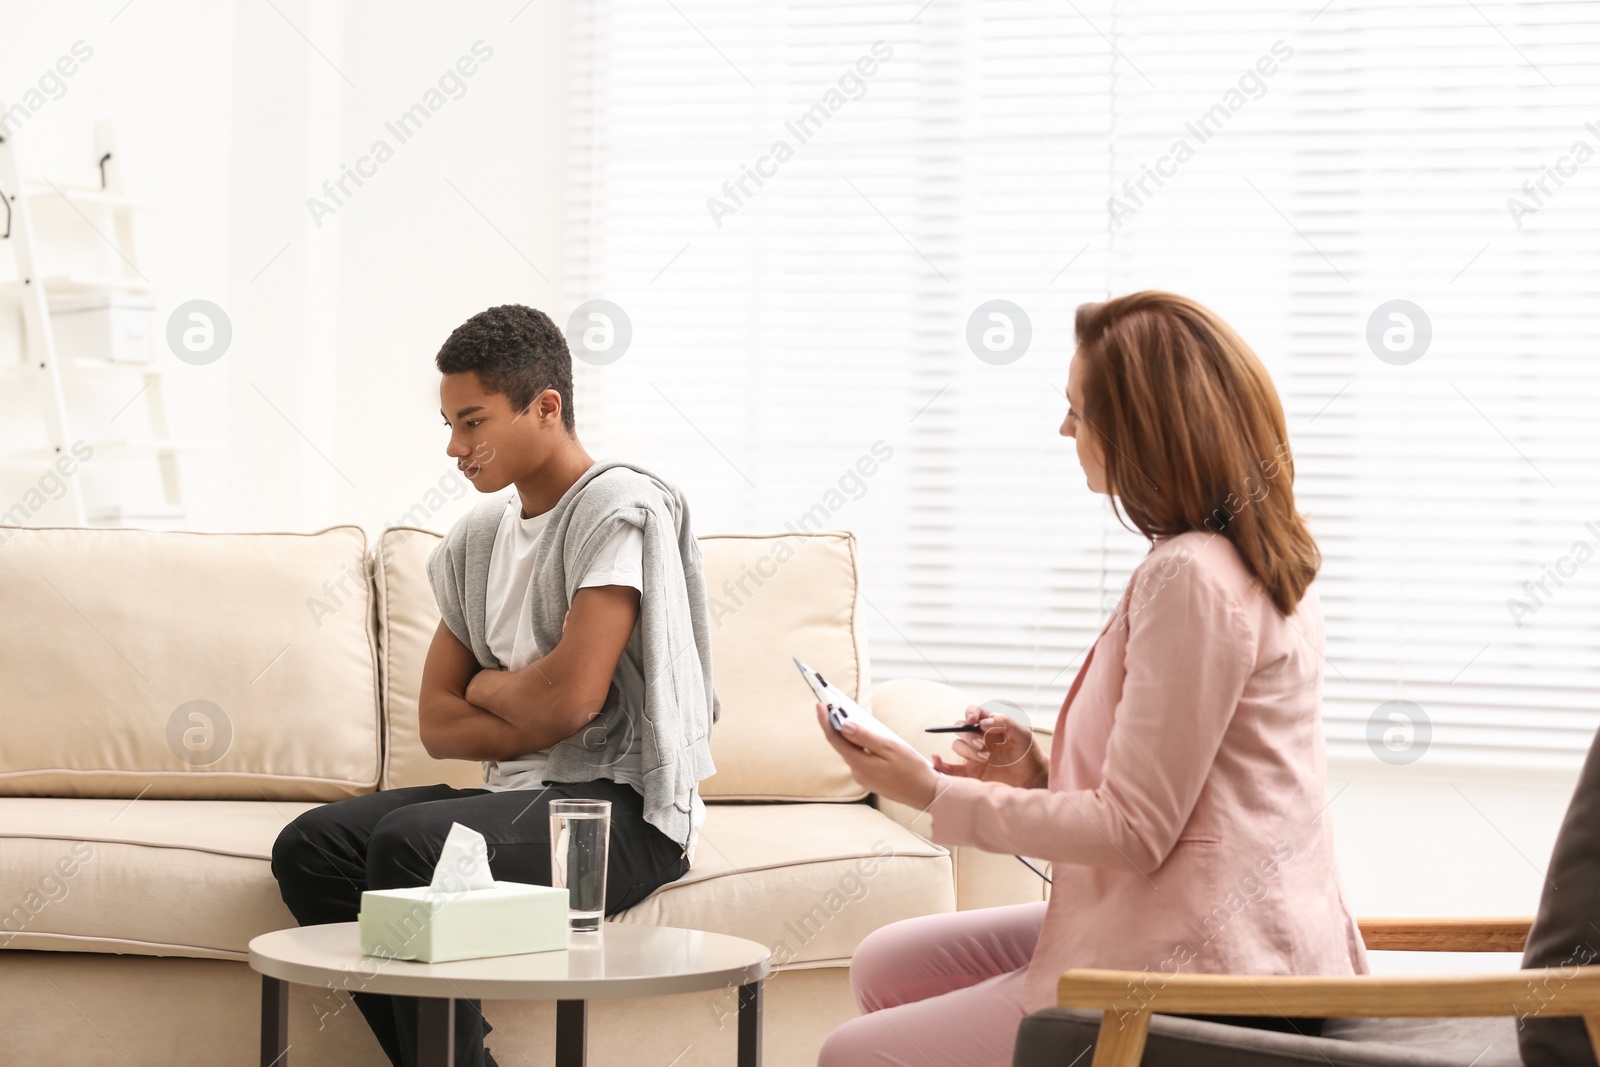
x,y
1193,434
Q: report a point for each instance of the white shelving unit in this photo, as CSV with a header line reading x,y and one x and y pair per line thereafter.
x,y
42,363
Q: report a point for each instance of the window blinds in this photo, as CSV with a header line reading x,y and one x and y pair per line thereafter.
x,y
808,210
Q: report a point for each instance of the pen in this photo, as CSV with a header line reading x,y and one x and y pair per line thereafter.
x,y
965,728
1034,867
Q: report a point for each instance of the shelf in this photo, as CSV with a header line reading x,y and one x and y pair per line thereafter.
x,y
82,283
138,444
83,366
92,312
84,196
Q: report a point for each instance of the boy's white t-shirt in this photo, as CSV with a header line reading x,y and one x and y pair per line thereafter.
x,y
509,620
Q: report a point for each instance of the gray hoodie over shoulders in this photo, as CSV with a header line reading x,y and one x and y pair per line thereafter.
x,y
680,702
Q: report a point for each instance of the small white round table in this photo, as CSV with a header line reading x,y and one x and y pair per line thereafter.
x,y
619,960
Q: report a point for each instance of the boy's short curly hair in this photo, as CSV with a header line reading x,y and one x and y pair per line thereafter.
x,y
514,350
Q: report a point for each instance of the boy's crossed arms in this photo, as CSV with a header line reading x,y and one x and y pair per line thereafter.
x,y
465,712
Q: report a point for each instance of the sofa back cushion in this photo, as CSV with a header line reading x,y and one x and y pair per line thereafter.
x,y
407,619
774,597
178,664
771,597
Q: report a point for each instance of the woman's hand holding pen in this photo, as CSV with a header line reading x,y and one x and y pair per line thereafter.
x,y
1004,752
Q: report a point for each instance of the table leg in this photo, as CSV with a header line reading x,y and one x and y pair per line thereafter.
x,y
436,1031
750,1024
274,1022
572,1033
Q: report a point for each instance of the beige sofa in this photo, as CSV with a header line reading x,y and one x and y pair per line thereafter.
x,y
170,700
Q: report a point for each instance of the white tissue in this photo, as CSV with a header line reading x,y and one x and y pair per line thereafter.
x,y
463,861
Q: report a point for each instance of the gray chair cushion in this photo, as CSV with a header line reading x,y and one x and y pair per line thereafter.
x,y
1059,1037
1565,932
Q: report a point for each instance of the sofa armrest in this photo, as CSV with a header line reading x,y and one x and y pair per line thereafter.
x,y
983,879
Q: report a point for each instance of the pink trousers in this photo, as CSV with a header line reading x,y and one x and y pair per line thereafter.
x,y
939,990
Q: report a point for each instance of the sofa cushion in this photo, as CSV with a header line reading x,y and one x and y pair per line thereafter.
x,y
150,877
771,597
807,880
194,878
407,620
179,664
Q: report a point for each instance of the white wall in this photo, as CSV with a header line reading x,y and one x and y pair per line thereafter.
x,y
325,408
1430,839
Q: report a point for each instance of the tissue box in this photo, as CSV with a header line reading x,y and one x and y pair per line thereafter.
x,y
503,919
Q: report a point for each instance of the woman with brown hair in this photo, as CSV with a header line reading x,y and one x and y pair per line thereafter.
x,y
1182,798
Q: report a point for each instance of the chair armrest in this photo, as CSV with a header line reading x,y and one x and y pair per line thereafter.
x,y
1338,996
1506,934
983,879
1127,999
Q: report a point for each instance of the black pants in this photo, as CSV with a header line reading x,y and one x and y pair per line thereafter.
x,y
391,840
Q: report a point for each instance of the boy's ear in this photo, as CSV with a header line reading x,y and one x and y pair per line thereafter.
x,y
534,410
547,404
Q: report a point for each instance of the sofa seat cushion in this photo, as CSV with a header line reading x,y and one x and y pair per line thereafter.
x,y
194,878
152,877
807,880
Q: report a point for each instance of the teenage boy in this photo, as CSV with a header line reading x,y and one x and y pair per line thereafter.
x,y
573,658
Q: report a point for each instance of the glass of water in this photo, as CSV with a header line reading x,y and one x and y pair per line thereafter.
x,y
579,833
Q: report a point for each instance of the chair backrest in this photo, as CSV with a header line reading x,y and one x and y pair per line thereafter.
x,y
1566,931
771,597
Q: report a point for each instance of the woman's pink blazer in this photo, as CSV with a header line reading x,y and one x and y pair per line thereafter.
x,y
1185,807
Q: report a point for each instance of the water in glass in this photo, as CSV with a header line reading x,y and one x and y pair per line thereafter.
x,y
578,839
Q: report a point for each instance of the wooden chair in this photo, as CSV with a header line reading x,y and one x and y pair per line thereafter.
x,y
1550,991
